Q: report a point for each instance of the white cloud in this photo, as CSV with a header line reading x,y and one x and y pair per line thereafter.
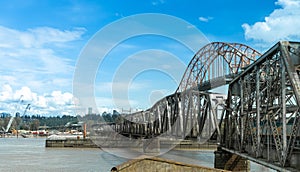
x,y
205,19
6,93
45,35
34,57
38,64
281,24
53,103
37,37
59,98
288,3
25,94
41,102
158,2
36,49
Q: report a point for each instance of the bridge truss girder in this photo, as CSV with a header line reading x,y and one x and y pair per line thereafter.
x,y
263,106
191,114
191,111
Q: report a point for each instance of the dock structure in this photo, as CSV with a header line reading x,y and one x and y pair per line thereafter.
x,y
79,142
70,142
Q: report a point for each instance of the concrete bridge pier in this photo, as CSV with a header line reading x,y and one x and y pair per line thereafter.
x,y
228,161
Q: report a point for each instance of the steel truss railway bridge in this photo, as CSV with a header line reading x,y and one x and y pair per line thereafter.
x,y
257,119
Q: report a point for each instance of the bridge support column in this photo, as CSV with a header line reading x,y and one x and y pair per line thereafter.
x,y
151,145
228,161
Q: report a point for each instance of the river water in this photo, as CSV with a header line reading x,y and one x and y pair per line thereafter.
x,y
30,154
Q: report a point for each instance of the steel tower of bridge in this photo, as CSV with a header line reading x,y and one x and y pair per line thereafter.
x,y
262,116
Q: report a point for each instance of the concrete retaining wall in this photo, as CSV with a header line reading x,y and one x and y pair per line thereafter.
x,y
70,142
149,164
117,143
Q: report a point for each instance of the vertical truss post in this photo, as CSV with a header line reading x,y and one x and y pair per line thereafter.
x,y
283,102
186,115
242,113
258,130
159,115
200,110
181,109
191,108
169,128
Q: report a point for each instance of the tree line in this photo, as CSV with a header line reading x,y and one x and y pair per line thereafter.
x,y
34,122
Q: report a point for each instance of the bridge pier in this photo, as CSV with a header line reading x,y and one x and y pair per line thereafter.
x,y
229,161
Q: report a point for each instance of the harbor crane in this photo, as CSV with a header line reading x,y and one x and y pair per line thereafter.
x,y
27,108
13,115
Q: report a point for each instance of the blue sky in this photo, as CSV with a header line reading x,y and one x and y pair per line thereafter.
x,y
41,41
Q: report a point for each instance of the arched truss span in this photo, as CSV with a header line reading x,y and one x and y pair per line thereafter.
x,y
216,60
189,112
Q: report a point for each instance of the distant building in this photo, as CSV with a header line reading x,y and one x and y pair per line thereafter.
x,y
4,115
90,110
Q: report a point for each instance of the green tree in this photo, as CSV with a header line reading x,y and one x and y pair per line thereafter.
x,y
34,124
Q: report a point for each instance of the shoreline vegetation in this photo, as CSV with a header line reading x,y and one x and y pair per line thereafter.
x,y
38,125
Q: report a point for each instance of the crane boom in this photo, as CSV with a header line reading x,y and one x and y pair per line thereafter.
x,y
27,108
13,115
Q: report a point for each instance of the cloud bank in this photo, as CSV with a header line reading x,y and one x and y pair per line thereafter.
x,y
36,64
282,24
54,103
205,19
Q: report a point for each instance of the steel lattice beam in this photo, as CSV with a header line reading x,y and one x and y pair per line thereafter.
x,y
263,103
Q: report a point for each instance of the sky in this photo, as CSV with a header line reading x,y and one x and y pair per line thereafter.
x,y
44,43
